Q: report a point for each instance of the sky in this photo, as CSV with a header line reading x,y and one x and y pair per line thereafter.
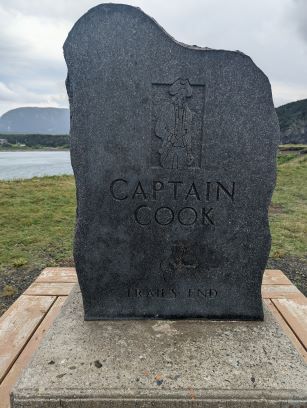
x,y
272,32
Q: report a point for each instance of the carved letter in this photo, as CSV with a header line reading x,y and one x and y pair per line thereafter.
x,y
212,293
200,293
117,197
181,218
163,209
192,192
156,186
173,291
139,191
228,193
208,191
175,183
206,216
136,215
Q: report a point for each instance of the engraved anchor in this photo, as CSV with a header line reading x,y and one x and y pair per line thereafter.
x,y
179,261
173,127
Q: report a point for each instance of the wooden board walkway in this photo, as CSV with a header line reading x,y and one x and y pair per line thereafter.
x,y
24,324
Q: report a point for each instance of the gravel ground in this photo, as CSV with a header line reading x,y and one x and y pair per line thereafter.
x,y
294,268
14,282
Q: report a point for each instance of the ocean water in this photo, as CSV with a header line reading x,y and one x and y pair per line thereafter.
x,y
23,165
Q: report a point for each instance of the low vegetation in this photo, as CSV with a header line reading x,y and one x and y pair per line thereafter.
x,y
288,213
292,112
20,141
36,222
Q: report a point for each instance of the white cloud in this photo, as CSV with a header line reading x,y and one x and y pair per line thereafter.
x,y
284,93
300,17
34,36
6,93
15,95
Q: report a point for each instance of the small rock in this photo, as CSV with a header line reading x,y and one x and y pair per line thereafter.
x,y
97,364
60,375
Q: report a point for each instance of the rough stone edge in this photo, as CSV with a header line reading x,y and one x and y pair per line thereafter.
x,y
153,21
120,7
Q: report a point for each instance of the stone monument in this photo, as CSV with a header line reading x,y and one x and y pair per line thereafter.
x,y
173,149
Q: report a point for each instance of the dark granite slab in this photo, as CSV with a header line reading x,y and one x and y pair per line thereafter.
x,y
173,149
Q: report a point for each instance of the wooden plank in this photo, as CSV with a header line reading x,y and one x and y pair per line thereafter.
x,y
297,344
49,289
275,277
58,275
294,311
23,359
280,292
17,325
287,301
65,274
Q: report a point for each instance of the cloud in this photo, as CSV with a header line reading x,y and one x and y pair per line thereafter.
x,y
16,95
300,17
6,93
31,60
32,36
283,93
33,71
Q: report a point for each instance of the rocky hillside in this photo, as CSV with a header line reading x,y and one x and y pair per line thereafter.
x,y
35,120
293,122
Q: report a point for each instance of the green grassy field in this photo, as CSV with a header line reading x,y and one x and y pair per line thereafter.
x,y
288,213
37,222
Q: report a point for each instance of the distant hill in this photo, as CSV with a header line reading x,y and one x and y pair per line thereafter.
x,y
35,120
292,118
293,122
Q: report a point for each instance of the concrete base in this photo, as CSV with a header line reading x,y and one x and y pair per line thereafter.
x,y
166,363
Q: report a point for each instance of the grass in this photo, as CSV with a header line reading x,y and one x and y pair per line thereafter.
x,y
36,222
290,146
37,218
288,215
284,158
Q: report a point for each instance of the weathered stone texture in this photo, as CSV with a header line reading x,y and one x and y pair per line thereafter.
x,y
173,149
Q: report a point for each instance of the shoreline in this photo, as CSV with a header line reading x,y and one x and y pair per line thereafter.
x,y
47,149
283,149
45,176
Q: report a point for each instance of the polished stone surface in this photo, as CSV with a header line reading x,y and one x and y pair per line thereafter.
x,y
159,363
173,149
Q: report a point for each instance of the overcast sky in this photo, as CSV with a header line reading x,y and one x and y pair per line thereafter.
x,y
32,32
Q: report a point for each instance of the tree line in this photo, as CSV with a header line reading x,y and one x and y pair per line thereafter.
x,y
37,140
